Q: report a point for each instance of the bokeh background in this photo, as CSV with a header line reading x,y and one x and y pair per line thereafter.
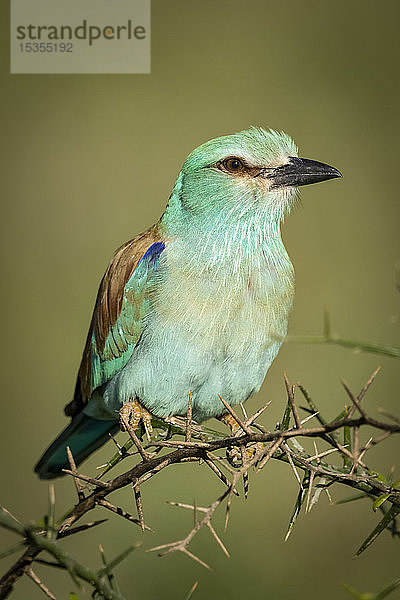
x,y
88,161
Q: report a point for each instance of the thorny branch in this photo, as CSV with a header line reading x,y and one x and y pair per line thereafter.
x,y
327,337
256,447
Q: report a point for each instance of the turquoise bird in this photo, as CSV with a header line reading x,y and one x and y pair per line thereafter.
x,y
199,303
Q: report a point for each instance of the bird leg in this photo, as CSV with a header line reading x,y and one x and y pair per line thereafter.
x,y
237,455
233,425
133,413
234,454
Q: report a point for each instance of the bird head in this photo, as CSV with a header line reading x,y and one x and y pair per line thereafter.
x,y
252,170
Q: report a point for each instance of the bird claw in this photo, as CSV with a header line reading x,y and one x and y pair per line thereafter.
x,y
133,413
236,455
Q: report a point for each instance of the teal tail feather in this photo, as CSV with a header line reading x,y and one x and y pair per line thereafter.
x,y
83,435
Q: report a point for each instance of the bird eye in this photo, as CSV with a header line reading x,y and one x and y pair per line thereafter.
x,y
233,165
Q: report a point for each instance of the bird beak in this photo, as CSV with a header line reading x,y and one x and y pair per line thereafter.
x,y
300,171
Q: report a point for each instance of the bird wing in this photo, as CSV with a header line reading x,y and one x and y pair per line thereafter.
x,y
117,322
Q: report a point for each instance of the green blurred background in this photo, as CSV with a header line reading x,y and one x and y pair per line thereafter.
x,y
88,161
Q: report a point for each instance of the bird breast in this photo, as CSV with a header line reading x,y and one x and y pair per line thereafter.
x,y
228,303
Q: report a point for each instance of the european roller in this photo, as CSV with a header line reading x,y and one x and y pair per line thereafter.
x,y
199,303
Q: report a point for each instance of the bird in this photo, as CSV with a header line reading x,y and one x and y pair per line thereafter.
x,y
199,303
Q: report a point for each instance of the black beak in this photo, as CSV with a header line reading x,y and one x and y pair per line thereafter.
x,y
301,171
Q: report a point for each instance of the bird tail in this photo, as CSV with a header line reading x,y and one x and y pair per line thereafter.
x,y
83,435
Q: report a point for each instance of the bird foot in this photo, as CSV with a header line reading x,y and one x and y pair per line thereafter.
x,y
133,413
237,455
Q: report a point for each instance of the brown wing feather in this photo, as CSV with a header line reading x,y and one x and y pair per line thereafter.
x,y
107,309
